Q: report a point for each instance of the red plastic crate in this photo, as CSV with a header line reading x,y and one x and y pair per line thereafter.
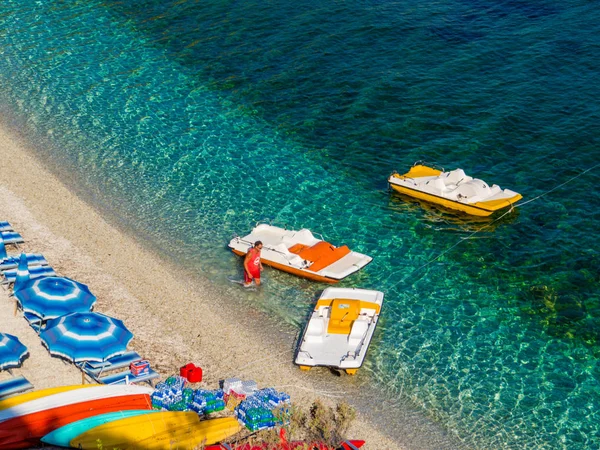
x,y
185,370
195,375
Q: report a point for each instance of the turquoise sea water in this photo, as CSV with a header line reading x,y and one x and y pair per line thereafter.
x,y
190,121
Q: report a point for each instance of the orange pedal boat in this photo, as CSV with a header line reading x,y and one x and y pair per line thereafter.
x,y
301,253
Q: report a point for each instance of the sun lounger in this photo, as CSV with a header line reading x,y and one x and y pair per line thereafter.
x,y
33,260
34,322
95,369
128,378
11,237
14,386
5,226
10,275
98,371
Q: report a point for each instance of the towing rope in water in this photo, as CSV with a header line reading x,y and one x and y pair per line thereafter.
x,y
512,207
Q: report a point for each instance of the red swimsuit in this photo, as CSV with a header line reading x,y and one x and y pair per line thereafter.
x,y
253,265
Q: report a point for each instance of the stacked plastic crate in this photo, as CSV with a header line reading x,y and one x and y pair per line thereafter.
x,y
207,401
172,395
169,394
257,410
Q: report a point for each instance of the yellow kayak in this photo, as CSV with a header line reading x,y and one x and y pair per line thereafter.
x,y
19,399
172,430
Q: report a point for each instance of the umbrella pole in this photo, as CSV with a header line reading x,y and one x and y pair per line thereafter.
x,y
16,307
82,377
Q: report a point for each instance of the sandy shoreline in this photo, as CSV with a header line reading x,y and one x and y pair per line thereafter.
x,y
173,321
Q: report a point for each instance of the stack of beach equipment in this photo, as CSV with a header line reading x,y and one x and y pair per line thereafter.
x,y
174,394
256,409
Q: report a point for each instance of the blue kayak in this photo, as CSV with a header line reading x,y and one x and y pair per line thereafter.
x,y
62,436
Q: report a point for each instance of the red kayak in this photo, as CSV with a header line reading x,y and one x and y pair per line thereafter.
x,y
300,445
26,430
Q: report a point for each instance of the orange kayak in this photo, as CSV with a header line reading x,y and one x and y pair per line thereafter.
x,y
294,445
24,431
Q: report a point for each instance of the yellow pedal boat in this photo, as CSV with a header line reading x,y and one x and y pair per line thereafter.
x,y
454,189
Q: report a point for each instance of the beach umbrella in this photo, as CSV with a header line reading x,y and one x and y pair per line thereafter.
x,y
11,351
51,297
22,273
86,336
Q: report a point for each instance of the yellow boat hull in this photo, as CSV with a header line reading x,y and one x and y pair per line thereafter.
x,y
484,208
173,430
476,209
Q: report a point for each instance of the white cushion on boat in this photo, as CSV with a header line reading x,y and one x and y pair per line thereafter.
x,y
304,236
282,248
315,330
436,185
359,328
457,176
473,190
292,258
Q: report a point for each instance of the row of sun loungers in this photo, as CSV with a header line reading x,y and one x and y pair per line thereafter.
x,y
15,384
106,372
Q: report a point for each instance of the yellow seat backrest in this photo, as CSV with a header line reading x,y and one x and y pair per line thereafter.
x,y
342,316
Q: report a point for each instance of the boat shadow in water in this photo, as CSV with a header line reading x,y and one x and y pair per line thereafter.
x,y
441,218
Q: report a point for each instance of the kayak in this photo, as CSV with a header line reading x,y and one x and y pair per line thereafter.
x,y
157,431
23,425
294,445
64,435
18,399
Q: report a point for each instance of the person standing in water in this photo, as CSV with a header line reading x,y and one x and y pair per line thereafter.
x,y
252,265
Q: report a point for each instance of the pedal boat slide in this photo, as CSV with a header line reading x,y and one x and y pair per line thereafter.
x,y
340,329
455,190
300,253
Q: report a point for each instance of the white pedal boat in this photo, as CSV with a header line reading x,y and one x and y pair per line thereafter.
x,y
454,190
300,253
340,329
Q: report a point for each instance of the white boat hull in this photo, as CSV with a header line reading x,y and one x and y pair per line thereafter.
x,y
340,329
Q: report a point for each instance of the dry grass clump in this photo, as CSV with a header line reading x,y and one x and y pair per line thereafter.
x,y
320,423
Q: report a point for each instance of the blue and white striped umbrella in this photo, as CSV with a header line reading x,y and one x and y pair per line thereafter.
x,y
86,336
52,297
11,351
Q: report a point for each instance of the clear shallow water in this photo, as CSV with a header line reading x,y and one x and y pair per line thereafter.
x,y
192,121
